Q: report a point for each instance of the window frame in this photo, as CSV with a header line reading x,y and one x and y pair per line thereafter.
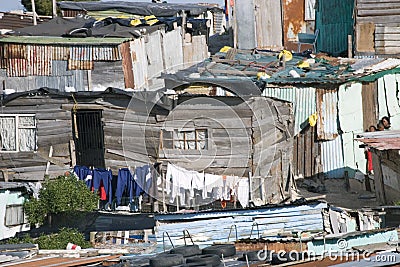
x,y
17,131
9,213
176,139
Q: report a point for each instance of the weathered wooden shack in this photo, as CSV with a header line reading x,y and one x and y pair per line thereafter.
x,y
45,131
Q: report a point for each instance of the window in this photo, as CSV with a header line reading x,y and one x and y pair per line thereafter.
x,y
186,139
17,133
14,215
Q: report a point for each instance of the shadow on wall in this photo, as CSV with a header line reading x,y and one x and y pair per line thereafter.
x,y
217,41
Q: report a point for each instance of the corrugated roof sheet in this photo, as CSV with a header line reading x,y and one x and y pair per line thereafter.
x,y
62,40
241,64
382,140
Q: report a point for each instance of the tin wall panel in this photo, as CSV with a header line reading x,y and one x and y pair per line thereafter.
x,y
15,51
17,67
81,58
61,52
172,50
106,53
332,158
39,60
327,122
139,63
303,100
334,19
3,61
155,59
268,23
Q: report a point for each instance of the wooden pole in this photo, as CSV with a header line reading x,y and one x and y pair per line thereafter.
x,y
349,46
54,9
34,12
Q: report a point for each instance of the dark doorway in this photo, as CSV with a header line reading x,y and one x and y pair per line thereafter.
x,y
89,138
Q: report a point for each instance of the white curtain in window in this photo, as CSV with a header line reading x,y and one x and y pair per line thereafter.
x,y
178,140
27,140
7,134
190,140
202,140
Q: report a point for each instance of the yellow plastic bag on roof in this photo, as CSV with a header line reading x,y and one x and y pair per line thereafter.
x,y
313,119
136,22
225,49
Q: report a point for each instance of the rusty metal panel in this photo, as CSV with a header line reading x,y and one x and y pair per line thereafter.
x,y
15,51
327,105
127,65
268,24
39,60
293,22
17,67
3,61
106,53
61,52
81,58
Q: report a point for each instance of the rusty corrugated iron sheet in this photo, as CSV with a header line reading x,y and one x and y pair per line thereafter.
x,y
327,101
61,52
39,60
17,67
293,20
106,53
81,58
381,140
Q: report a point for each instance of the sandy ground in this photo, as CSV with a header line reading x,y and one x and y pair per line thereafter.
x,y
337,195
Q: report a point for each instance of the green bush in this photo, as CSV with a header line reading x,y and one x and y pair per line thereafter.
x,y
64,194
59,240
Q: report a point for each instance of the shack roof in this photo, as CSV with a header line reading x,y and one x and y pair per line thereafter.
x,y
137,8
265,67
381,140
144,99
86,28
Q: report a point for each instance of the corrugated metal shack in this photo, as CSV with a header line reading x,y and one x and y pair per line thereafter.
x,y
385,148
346,95
122,129
133,58
377,27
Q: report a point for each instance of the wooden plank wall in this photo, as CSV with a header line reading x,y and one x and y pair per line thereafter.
x,y
53,129
382,19
306,153
273,127
123,135
253,136
228,121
